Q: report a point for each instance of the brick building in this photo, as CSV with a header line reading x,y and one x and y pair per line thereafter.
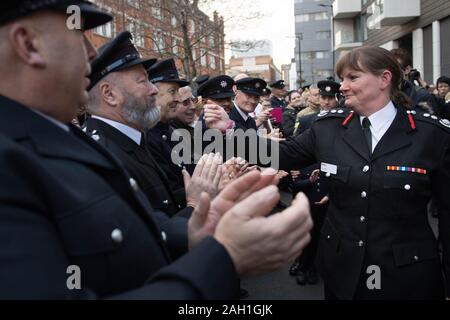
x,y
168,29
258,66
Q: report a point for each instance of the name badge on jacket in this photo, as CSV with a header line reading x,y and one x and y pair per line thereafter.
x,y
328,168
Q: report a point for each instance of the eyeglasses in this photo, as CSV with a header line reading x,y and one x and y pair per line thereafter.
x,y
188,101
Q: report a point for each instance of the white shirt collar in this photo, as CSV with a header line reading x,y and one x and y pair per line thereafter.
x,y
63,126
243,115
380,122
379,119
130,132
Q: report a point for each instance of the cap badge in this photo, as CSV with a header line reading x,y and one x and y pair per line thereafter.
x,y
223,84
257,85
328,89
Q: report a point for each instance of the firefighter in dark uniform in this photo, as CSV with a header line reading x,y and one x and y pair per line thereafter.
x,y
383,163
248,92
123,135
159,138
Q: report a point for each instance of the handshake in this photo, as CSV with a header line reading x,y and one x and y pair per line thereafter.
x,y
237,217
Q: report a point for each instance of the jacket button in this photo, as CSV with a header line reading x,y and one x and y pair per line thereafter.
x,y
164,137
416,258
96,137
117,236
363,194
328,175
360,243
328,237
407,187
362,219
163,236
134,184
366,169
166,202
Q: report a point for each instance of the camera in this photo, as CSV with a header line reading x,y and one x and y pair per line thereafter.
x,y
414,75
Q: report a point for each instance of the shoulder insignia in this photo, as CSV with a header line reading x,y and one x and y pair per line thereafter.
x,y
432,119
445,122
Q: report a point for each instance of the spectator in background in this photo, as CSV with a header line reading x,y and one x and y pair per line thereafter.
x,y
412,84
290,113
443,86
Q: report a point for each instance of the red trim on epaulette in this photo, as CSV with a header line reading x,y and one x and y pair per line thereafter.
x,y
411,121
347,120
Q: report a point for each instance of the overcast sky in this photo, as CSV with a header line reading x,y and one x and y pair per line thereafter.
x,y
277,25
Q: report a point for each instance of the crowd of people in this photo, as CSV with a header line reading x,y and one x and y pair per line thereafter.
x,y
88,140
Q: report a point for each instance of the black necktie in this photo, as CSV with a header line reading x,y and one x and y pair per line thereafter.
x,y
367,133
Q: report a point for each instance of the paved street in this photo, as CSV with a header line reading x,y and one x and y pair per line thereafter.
x,y
280,285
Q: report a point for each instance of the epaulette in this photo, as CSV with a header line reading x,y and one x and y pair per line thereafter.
x,y
429,118
333,113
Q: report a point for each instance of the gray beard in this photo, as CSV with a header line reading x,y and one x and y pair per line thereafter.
x,y
140,115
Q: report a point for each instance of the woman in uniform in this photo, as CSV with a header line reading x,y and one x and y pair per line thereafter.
x,y
384,161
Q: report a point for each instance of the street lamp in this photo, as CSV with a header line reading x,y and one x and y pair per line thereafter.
x,y
332,29
299,37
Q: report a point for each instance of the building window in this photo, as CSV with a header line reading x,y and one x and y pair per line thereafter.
x,y
106,30
324,73
174,46
156,9
192,26
322,54
212,61
203,57
212,42
302,18
194,54
134,3
311,17
158,41
323,35
136,31
320,16
174,21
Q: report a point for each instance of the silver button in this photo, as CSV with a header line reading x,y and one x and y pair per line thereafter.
x,y
407,187
363,194
340,111
333,111
96,137
328,237
434,117
117,236
360,243
166,201
416,258
366,169
164,137
134,184
426,115
328,175
413,112
362,219
318,184
163,236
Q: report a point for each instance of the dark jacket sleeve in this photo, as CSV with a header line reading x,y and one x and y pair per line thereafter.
x,y
298,152
441,186
34,260
288,123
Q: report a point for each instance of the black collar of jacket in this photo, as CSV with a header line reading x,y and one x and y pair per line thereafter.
x,y
20,123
